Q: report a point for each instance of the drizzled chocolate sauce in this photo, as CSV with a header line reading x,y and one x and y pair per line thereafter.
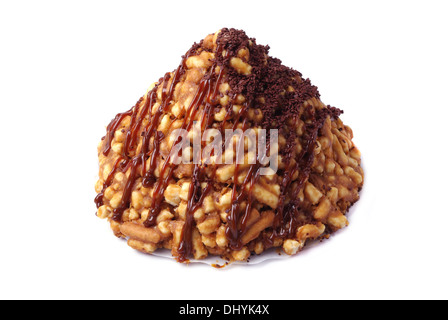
x,y
286,219
269,79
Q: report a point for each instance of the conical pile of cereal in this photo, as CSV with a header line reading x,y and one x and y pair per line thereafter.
x,y
230,154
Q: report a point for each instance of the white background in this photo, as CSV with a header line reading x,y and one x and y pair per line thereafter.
x,y
68,67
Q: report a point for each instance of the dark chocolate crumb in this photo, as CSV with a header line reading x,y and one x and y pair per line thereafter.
x,y
269,79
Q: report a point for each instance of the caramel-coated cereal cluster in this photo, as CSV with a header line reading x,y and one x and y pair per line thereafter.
x,y
228,209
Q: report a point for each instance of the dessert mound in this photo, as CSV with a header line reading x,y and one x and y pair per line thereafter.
x,y
156,196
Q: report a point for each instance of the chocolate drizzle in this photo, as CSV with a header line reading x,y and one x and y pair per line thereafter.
x,y
269,80
288,214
